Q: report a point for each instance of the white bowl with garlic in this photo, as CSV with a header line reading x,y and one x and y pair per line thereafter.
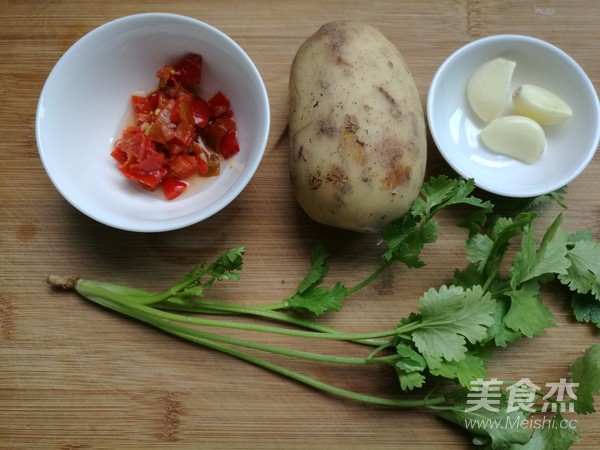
x,y
515,113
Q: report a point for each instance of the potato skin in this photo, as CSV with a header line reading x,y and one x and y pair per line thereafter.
x,y
358,147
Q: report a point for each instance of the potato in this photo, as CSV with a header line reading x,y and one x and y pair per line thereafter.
x,y
358,147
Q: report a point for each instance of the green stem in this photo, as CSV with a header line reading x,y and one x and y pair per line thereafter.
x,y
398,403
209,343
382,268
208,307
298,354
96,289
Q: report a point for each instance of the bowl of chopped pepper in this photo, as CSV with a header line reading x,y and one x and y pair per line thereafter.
x,y
152,122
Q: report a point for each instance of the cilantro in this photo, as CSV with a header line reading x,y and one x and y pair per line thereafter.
x,y
318,299
586,308
557,196
527,314
551,257
442,191
527,204
410,380
583,274
318,269
312,297
465,371
586,372
471,276
410,360
554,436
225,267
479,249
494,428
489,303
406,239
499,332
407,235
449,318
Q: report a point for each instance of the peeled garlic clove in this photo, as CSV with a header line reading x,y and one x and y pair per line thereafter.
x,y
519,137
540,104
488,89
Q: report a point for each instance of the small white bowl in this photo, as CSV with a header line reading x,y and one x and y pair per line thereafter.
x,y
455,128
85,104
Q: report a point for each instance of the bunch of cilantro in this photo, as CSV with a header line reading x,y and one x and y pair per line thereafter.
x,y
440,350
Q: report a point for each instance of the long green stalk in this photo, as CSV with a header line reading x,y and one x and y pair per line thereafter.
x,y
97,289
186,334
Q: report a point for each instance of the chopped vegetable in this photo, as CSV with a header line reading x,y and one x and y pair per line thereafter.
x,y
449,339
172,187
176,133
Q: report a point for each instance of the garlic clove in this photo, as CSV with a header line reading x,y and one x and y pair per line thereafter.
x,y
518,137
543,106
488,89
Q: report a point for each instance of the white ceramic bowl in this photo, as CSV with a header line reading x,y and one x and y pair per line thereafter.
x,y
85,104
455,128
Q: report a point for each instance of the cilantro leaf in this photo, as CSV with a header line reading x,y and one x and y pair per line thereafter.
x,y
468,369
527,314
405,239
584,272
442,191
550,258
194,283
586,372
410,380
501,334
495,427
226,265
319,300
310,296
407,235
552,437
586,308
410,360
524,204
318,269
479,248
468,277
449,318
557,196
435,192
487,250
580,235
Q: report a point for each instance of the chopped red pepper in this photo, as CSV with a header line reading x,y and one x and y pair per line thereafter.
x,y
229,145
144,107
201,111
184,133
217,129
221,135
172,187
182,111
167,144
189,69
185,165
220,105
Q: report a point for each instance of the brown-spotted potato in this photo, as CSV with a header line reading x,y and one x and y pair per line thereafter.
x,y
357,132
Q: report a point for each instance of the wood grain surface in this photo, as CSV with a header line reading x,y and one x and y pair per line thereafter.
x,y
74,376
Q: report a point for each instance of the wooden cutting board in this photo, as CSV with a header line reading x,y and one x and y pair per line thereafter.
x,y
75,376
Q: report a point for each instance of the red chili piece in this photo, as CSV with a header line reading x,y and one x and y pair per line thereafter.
x,y
176,134
172,187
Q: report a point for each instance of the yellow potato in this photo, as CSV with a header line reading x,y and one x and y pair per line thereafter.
x,y
358,147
